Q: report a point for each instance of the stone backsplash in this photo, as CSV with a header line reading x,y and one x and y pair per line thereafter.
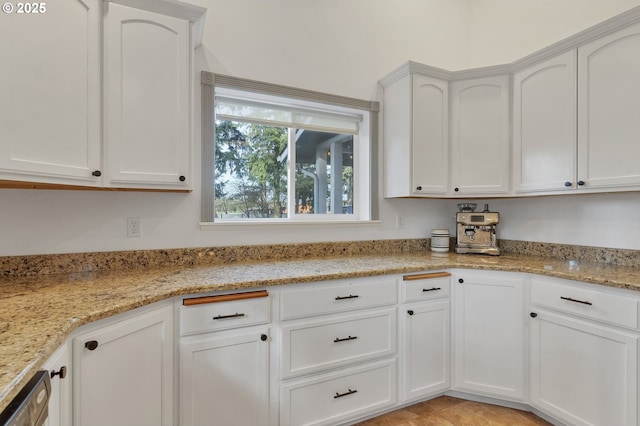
x,y
36,265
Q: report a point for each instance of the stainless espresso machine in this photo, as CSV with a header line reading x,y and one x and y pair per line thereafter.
x,y
476,232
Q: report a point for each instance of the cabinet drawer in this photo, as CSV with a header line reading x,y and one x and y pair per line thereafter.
x,y
586,302
224,312
337,296
334,398
319,345
426,286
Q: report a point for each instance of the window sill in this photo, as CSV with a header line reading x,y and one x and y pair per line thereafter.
x,y
210,226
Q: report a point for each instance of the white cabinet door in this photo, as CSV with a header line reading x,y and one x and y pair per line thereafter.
x,y
59,366
583,373
430,153
146,80
608,105
489,334
123,371
416,137
480,143
50,93
425,349
544,126
225,379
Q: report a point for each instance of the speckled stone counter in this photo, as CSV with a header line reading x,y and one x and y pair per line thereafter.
x,y
38,312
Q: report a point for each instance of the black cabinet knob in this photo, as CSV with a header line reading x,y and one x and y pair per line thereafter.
x,y
460,280
91,345
456,189
580,183
410,312
567,184
182,178
419,188
533,315
96,173
62,372
264,337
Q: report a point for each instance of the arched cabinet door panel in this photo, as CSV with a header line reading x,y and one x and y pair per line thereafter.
x,y
50,93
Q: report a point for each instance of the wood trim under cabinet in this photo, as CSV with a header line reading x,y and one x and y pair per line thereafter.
x,y
14,184
224,298
425,276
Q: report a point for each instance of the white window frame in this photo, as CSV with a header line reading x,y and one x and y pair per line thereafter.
x,y
365,181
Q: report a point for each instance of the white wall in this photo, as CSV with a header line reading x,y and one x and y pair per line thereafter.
x,y
506,30
341,47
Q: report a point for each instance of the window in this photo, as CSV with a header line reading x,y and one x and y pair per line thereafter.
x,y
278,154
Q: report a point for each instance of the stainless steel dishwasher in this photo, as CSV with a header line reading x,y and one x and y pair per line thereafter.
x,y
31,406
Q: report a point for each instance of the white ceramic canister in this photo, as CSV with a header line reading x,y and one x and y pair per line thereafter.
x,y
440,240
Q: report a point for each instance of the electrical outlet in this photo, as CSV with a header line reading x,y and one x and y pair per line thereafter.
x,y
399,221
134,227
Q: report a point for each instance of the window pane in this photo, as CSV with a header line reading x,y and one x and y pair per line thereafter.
x,y
324,173
250,171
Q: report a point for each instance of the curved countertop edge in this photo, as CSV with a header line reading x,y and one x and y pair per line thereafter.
x,y
38,314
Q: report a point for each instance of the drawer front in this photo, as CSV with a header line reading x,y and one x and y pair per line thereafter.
x,y
338,397
312,346
206,317
337,296
427,286
601,306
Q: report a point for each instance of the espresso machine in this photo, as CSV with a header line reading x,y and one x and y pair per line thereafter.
x,y
476,231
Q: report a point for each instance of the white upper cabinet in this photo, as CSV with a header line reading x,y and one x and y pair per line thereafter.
x,y
430,135
98,94
480,136
147,98
50,94
416,157
608,105
544,126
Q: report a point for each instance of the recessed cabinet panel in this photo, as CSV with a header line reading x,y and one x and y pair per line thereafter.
x,y
317,345
123,372
609,101
147,97
583,373
430,135
225,379
339,396
489,334
480,136
50,93
544,126
426,351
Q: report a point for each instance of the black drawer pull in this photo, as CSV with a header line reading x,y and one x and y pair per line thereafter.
x,y
431,289
577,301
351,296
340,395
236,315
338,340
91,345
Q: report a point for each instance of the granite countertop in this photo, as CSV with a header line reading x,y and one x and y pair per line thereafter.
x,y
38,313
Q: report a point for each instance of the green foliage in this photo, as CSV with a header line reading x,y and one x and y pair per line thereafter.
x,y
249,178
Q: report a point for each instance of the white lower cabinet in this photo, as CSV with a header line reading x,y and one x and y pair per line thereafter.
x,y
572,354
225,378
59,367
583,373
424,335
425,351
224,359
123,370
337,366
339,396
489,333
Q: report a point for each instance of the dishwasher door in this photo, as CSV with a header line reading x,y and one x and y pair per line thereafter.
x,y
31,406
